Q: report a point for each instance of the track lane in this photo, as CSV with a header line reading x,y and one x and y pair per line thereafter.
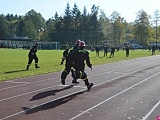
x,y
103,76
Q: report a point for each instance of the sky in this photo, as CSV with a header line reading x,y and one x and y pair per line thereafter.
x,y
126,8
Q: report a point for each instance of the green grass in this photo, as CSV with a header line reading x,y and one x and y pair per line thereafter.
x,y
13,61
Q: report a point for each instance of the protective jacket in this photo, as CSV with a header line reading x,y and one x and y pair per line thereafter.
x,y
80,58
33,51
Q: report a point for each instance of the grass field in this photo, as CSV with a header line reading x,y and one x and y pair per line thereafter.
x,y
13,61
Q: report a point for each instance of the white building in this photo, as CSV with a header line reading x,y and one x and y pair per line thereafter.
x,y
26,43
16,42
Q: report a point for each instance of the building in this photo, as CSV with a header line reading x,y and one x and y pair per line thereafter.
x,y
26,43
16,42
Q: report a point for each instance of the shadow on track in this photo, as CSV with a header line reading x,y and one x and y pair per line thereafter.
x,y
51,104
49,93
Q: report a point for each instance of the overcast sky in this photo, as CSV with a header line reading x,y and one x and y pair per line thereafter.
x,y
48,8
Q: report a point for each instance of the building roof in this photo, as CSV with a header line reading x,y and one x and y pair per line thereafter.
x,y
16,38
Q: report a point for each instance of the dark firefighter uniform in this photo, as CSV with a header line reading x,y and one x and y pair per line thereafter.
x,y
127,50
32,55
65,53
81,56
105,50
69,63
112,51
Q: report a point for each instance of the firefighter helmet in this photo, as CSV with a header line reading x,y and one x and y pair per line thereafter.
x,y
77,42
36,43
82,44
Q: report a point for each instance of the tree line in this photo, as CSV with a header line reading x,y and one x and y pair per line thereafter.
x,y
93,27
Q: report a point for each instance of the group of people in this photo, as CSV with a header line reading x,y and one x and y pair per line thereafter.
x,y
106,47
75,62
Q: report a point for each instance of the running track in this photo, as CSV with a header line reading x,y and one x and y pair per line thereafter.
x,y
126,90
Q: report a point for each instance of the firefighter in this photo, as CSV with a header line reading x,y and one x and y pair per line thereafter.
x,y
127,48
81,56
112,51
32,55
105,50
97,50
65,53
69,63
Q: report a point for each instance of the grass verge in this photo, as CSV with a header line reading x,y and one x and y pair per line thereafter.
x,y
13,61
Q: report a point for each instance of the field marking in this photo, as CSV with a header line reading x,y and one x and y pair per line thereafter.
x,y
151,111
114,97
58,77
83,90
67,82
28,83
10,81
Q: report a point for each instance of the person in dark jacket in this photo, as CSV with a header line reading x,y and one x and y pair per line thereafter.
x,y
81,56
69,63
65,53
32,56
153,49
112,51
97,50
105,50
127,50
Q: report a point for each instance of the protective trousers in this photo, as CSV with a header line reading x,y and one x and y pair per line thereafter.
x,y
67,69
82,75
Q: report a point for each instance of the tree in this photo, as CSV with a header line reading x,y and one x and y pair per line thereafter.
x,y
67,25
156,20
4,31
37,23
118,28
76,23
142,28
95,28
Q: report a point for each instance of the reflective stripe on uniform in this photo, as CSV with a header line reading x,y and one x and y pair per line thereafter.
x,y
85,78
80,75
84,51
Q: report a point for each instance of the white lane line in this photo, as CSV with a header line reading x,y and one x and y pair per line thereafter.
x,y
11,115
151,111
41,104
67,82
10,81
55,78
81,91
113,97
28,83
58,77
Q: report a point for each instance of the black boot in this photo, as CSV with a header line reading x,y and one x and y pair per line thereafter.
x,y
27,68
89,86
63,77
36,66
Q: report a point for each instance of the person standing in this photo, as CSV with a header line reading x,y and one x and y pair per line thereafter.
x,y
69,63
32,55
127,50
153,49
97,51
112,51
79,65
105,50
